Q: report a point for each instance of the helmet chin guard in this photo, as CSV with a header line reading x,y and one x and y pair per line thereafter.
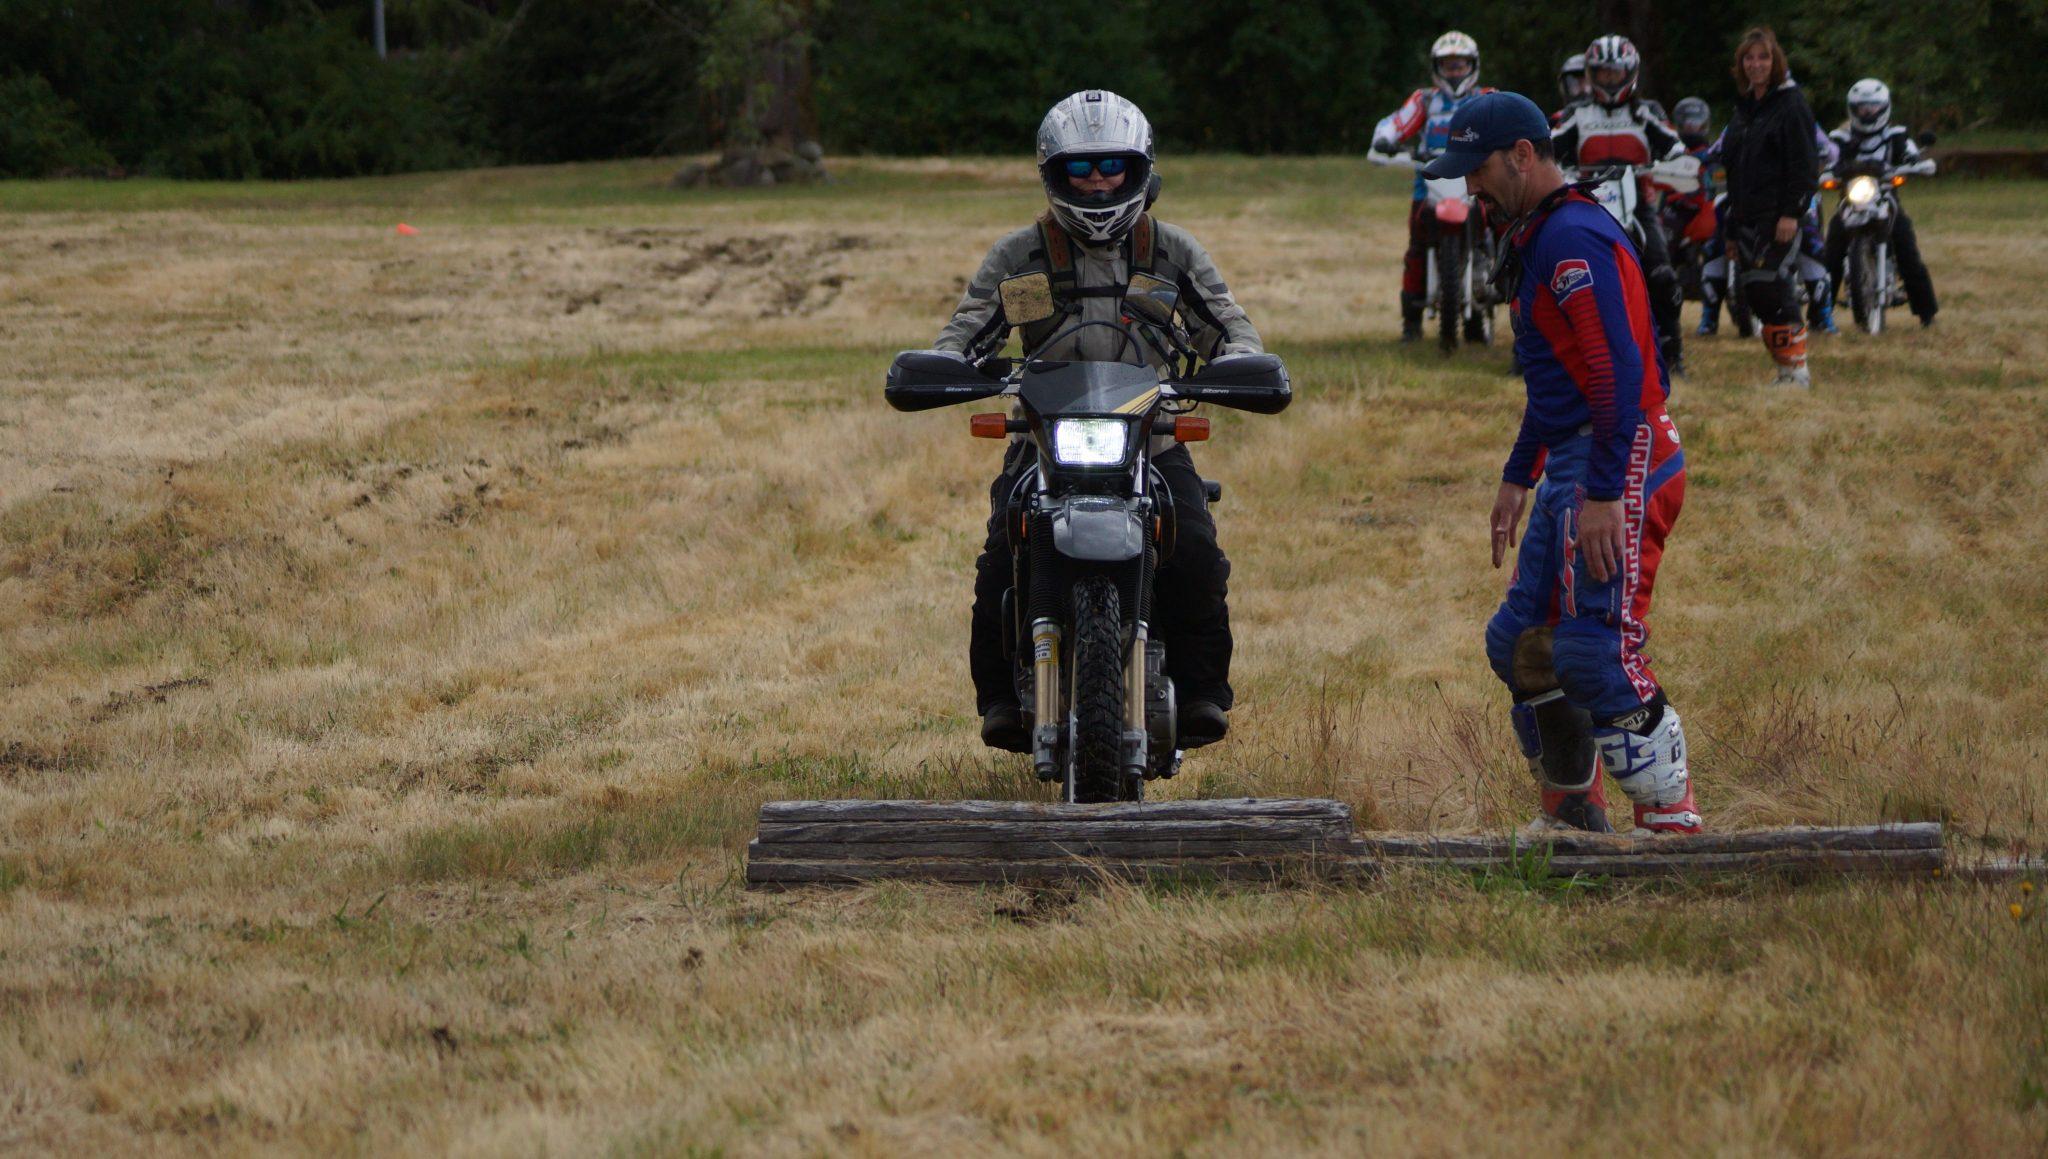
x,y
1096,123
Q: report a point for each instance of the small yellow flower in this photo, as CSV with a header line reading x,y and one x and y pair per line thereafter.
x,y
2018,911
2026,887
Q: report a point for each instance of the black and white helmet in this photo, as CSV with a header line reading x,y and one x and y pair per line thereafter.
x,y
1571,77
1454,44
1097,126
1692,118
1870,105
1612,52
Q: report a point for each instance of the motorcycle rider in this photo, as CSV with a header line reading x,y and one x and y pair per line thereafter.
x,y
1571,86
1869,138
1426,117
1615,127
1095,160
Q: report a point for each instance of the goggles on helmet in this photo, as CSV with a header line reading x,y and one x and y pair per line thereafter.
x,y
1080,167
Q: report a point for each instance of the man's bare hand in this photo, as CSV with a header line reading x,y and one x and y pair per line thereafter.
x,y
1600,537
1507,517
1788,228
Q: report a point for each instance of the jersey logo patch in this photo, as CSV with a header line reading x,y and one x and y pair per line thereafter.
x,y
1571,276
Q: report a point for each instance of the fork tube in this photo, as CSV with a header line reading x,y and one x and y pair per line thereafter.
x,y
1136,734
1045,678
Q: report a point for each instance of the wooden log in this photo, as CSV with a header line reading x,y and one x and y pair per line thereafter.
x,y
1794,862
2001,870
1026,848
1917,835
901,811
791,873
1242,828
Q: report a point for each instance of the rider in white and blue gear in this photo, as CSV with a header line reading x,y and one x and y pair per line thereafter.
x,y
1425,118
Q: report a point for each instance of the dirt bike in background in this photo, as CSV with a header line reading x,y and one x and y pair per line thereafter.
x,y
1089,524
1458,292
1869,205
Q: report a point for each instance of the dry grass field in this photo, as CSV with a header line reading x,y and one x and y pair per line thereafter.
x,y
399,633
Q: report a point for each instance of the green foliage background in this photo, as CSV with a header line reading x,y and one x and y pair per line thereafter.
x,y
291,88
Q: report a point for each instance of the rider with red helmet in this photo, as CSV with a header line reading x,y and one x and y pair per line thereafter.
x,y
1616,126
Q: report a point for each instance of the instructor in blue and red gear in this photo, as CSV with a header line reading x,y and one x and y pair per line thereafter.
x,y
1568,639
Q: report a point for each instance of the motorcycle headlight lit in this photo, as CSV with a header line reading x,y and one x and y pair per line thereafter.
x,y
1862,190
1089,442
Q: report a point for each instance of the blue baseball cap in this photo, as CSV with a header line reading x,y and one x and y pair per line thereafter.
x,y
1487,122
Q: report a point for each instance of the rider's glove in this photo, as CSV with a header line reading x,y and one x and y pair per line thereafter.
x,y
1384,145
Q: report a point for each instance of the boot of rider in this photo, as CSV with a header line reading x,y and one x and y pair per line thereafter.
x,y
1644,752
1710,315
1411,316
1787,344
1556,737
1673,349
1820,308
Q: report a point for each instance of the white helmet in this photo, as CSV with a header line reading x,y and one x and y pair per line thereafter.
x,y
1870,105
1571,77
1095,128
1448,45
1612,52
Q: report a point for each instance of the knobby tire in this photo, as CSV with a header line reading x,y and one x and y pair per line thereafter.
x,y
1098,685
1450,290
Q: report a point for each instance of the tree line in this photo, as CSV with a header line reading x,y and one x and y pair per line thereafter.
x,y
293,88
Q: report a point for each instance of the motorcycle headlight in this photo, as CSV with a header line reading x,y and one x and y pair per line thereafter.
x,y
1862,190
1089,442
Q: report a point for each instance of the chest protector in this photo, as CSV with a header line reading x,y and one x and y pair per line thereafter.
x,y
1055,258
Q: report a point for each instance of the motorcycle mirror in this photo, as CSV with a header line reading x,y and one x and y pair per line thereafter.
x,y
924,379
1152,299
1027,298
1253,382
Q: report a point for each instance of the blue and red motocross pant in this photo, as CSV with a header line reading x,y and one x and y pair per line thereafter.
x,y
1598,629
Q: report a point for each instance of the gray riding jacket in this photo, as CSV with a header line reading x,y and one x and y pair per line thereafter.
x,y
1218,325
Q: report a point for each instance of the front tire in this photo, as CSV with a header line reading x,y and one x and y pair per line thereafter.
x,y
1450,282
1866,298
1098,693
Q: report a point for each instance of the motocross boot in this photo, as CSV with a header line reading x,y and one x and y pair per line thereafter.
x,y
1787,345
1820,310
1202,722
1411,317
1002,727
1710,317
1645,754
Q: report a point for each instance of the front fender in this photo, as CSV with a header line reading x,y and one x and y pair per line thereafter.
x,y
1098,529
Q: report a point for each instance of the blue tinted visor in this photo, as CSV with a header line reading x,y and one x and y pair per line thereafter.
x,y
1080,167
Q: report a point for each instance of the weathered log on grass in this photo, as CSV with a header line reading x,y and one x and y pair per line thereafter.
x,y
848,842
845,842
1917,835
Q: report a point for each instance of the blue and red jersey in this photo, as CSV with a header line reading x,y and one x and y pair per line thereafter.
x,y
1585,341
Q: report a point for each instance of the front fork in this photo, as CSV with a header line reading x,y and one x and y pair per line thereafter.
x,y
1137,735
1045,689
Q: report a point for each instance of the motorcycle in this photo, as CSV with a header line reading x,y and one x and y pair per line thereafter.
x,y
1090,522
1458,292
1869,204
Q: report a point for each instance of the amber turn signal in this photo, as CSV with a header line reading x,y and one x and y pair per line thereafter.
x,y
1898,179
1190,429
989,426
1830,183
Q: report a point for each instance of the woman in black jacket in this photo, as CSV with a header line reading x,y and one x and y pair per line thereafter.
x,y
1773,169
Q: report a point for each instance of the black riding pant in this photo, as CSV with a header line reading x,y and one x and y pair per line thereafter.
x,y
1191,615
1667,296
1905,249
1766,270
